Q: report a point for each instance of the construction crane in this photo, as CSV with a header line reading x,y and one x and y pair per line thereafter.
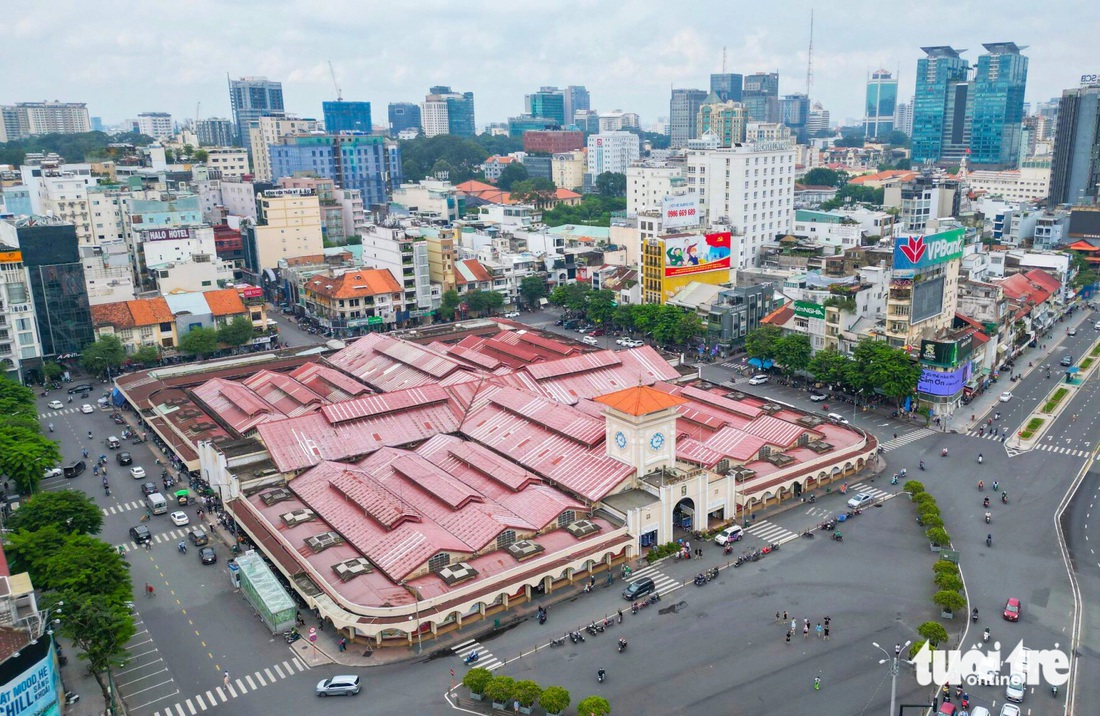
x,y
339,94
198,106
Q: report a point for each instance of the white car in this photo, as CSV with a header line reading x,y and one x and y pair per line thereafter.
x,y
818,397
137,472
1006,396
622,342
512,314
179,519
1010,710
860,500
56,404
634,344
87,409
758,380
730,534
1016,687
54,472
590,341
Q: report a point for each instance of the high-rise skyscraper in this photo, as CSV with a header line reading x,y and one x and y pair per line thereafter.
x,y
548,103
353,162
1075,170
939,104
447,112
576,99
215,132
882,100
343,116
403,115
252,98
761,97
998,105
157,125
903,117
27,119
51,256
723,120
727,86
794,111
683,112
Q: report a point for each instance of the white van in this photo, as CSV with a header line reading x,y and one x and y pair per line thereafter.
x,y
838,418
156,503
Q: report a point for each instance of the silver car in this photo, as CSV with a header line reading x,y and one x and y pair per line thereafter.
x,y
342,685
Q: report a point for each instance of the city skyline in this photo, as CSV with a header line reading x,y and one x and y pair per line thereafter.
x,y
633,67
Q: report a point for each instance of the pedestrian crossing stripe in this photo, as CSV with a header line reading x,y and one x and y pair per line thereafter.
x,y
124,507
661,581
770,532
63,411
158,538
907,438
987,435
1063,450
208,700
485,659
872,491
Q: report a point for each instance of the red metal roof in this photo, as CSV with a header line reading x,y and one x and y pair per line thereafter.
x,y
235,404
389,364
333,385
775,431
593,374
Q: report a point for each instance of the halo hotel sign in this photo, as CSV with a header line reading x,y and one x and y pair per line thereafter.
x,y
913,253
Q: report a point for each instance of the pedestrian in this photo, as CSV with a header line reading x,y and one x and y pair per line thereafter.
x,y
784,615
826,637
149,545
806,623
794,624
805,631
777,617
817,683
225,678
788,636
818,630
897,650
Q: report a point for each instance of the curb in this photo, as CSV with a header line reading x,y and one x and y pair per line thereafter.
x,y
1048,419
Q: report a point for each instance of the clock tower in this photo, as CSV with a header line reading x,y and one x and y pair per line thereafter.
x,y
641,427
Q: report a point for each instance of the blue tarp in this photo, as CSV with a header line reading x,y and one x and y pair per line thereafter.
x,y
117,398
758,363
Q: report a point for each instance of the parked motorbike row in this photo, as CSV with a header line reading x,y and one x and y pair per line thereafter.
x,y
756,555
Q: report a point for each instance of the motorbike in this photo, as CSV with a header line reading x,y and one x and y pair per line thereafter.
x,y
894,479
700,580
622,645
988,518
838,537
985,502
813,498
828,525
601,675
542,617
808,535
989,540
471,658
985,634
974,615
728,549
558,642
576,637
1004,497
738,562
292,636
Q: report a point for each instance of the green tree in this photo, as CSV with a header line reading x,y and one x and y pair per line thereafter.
x,y
897,138
761,342
823,176
26,455
850,140
829,366
531,289
600,306
948,581
493,301
593,210
623,316
237,332
688,327
933,632
68,510
449,303
86,565
512,173
146,355
794,352
200,156
594,706
500,689
73,147
554,699
571,296
499,144
538,192
526,692
52,370
854,194
938,536
665,327
477,679
646,318
893,372
17,401
949,601
100,628
423,156
201,341
105,354
611,184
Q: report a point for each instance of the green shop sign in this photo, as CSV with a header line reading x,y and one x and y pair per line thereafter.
x,y
808,309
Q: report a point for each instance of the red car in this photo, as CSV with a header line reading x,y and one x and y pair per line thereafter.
x,y
597,332
946,709
1012,610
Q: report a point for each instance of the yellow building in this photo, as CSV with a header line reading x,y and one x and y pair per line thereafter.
x,y
669,263
441,257
289,226
568,169
137,323
724,120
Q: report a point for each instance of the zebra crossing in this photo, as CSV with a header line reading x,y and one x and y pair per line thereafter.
x,y
663,582
234,689
907,438
159,538
771,532
986,435
124,507
485,659
1063,450
869,490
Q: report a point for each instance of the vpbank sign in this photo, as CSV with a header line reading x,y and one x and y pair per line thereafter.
x,y
1029,667
912,253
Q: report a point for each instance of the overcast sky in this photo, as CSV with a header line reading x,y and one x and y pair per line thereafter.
x,y
125,57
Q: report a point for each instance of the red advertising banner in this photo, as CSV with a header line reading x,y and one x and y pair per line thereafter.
x,y
697,253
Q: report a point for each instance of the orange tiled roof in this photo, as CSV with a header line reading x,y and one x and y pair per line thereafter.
x,y
471,271
563,194
1082,245
150,311
355,284
112,314
641,400
779,316
224,302
900,174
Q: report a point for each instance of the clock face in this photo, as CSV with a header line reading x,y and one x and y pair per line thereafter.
x,y
657,441
620,440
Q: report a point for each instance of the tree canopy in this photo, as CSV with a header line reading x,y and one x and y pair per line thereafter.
x,y
536,192
449,303
26,455
854,194
105,354
201,341
423,157
823,176
510,174
17,401
237,332
761,342
146,355
531,289
73,147
75,510
793,351
594,210
611,184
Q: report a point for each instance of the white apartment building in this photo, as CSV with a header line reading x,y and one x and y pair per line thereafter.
x,y
612,152
291,228
1030,183
434,117
157,125
230,161
60,190
109,207
648,184
19,342
405,257
829,229
617,120
27,119
767,132
265,131
428,197
108,272
749,188
351,207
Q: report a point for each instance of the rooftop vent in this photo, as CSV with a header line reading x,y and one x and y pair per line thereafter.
x,y
454,573
352,568
583,528
279,494
524,549
321,542
297,517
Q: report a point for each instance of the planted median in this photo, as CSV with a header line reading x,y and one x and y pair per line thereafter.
x,y
1031,428
1050,405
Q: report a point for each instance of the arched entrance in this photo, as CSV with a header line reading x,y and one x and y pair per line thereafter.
x,y
683,515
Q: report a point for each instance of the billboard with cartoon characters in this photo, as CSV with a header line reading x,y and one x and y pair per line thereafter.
x,y
696,253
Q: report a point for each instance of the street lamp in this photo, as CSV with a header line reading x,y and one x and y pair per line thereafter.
x,y
893,660
416,593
